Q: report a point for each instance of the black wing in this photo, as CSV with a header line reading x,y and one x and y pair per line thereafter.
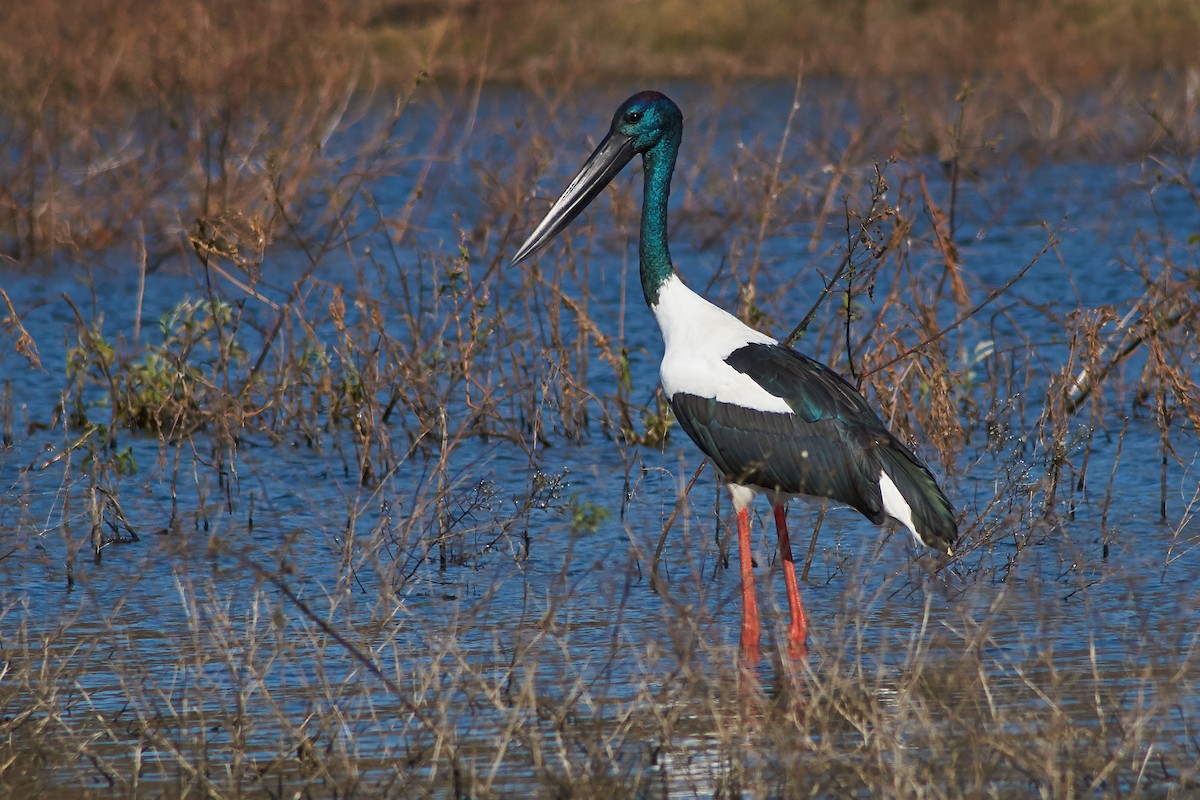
x,y
834,445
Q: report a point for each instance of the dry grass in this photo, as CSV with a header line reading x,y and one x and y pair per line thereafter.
x,y
364,685
130,125
532,42
438,633
274,693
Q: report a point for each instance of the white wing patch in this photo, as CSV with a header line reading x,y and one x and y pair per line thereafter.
x,y
896,506
698,336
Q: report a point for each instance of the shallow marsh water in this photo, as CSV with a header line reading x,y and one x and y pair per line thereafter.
x,y
497,602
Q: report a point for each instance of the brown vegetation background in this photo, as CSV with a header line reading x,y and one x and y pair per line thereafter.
x,y
116,114
79,48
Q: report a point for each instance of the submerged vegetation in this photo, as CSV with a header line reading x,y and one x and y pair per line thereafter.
x,y
307,492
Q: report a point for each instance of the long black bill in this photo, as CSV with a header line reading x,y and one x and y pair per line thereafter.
x,y
601,167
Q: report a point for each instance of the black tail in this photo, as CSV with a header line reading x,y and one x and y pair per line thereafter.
x,y
932,515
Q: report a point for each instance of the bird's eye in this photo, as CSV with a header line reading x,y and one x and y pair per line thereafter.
x,y
633,116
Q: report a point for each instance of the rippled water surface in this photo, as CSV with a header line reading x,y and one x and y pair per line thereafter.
x,y
277,588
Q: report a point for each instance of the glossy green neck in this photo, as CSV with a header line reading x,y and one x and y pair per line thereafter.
x,y
659,163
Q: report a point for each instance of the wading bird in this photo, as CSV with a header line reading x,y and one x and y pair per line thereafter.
x,y
774,421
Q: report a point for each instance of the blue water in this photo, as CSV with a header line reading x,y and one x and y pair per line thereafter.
x,y
253,575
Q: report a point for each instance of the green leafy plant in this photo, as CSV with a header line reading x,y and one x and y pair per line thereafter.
x,y
165,387
586,516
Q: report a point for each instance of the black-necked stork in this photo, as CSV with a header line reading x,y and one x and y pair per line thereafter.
x,y
774,421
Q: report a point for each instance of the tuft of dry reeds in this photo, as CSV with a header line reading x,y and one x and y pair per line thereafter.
x,y
131,122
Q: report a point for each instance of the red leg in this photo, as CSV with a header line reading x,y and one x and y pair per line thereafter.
x,y
750,626
798,630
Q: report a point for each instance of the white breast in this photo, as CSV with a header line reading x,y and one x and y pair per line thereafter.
x,y
698,336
